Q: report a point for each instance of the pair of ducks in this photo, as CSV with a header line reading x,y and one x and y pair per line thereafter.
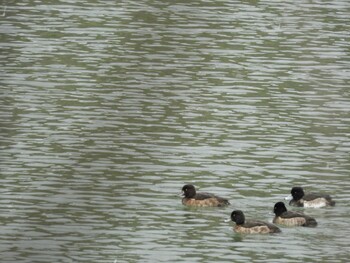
x,y
282,215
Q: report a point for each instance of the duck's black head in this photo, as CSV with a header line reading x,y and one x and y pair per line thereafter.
x,y
189,191
237,216
297,193
279,208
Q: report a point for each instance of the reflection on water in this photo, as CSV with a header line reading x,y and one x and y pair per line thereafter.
x,y
109,108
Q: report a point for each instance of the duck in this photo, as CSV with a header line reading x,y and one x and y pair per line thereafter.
x,y
291,218
251,226
315,200
193,198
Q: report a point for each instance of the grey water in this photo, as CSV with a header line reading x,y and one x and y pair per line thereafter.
x,y
109,107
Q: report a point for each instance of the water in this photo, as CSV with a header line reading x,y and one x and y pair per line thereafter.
x,y
109,108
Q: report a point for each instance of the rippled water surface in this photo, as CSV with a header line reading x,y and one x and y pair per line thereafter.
x,y
109,107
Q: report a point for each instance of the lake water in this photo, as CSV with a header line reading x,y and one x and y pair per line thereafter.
x,y
109,107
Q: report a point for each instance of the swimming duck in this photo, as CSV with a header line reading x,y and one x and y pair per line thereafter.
x,y
192,198
315,200
291,218
251,227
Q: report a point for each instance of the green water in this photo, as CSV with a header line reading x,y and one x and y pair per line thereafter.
x,y
109,107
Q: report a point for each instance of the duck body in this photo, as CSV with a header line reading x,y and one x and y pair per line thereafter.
x,y
192,198
291,218
256,227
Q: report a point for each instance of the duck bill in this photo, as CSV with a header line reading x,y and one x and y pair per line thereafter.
x,y
181,193
288,198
